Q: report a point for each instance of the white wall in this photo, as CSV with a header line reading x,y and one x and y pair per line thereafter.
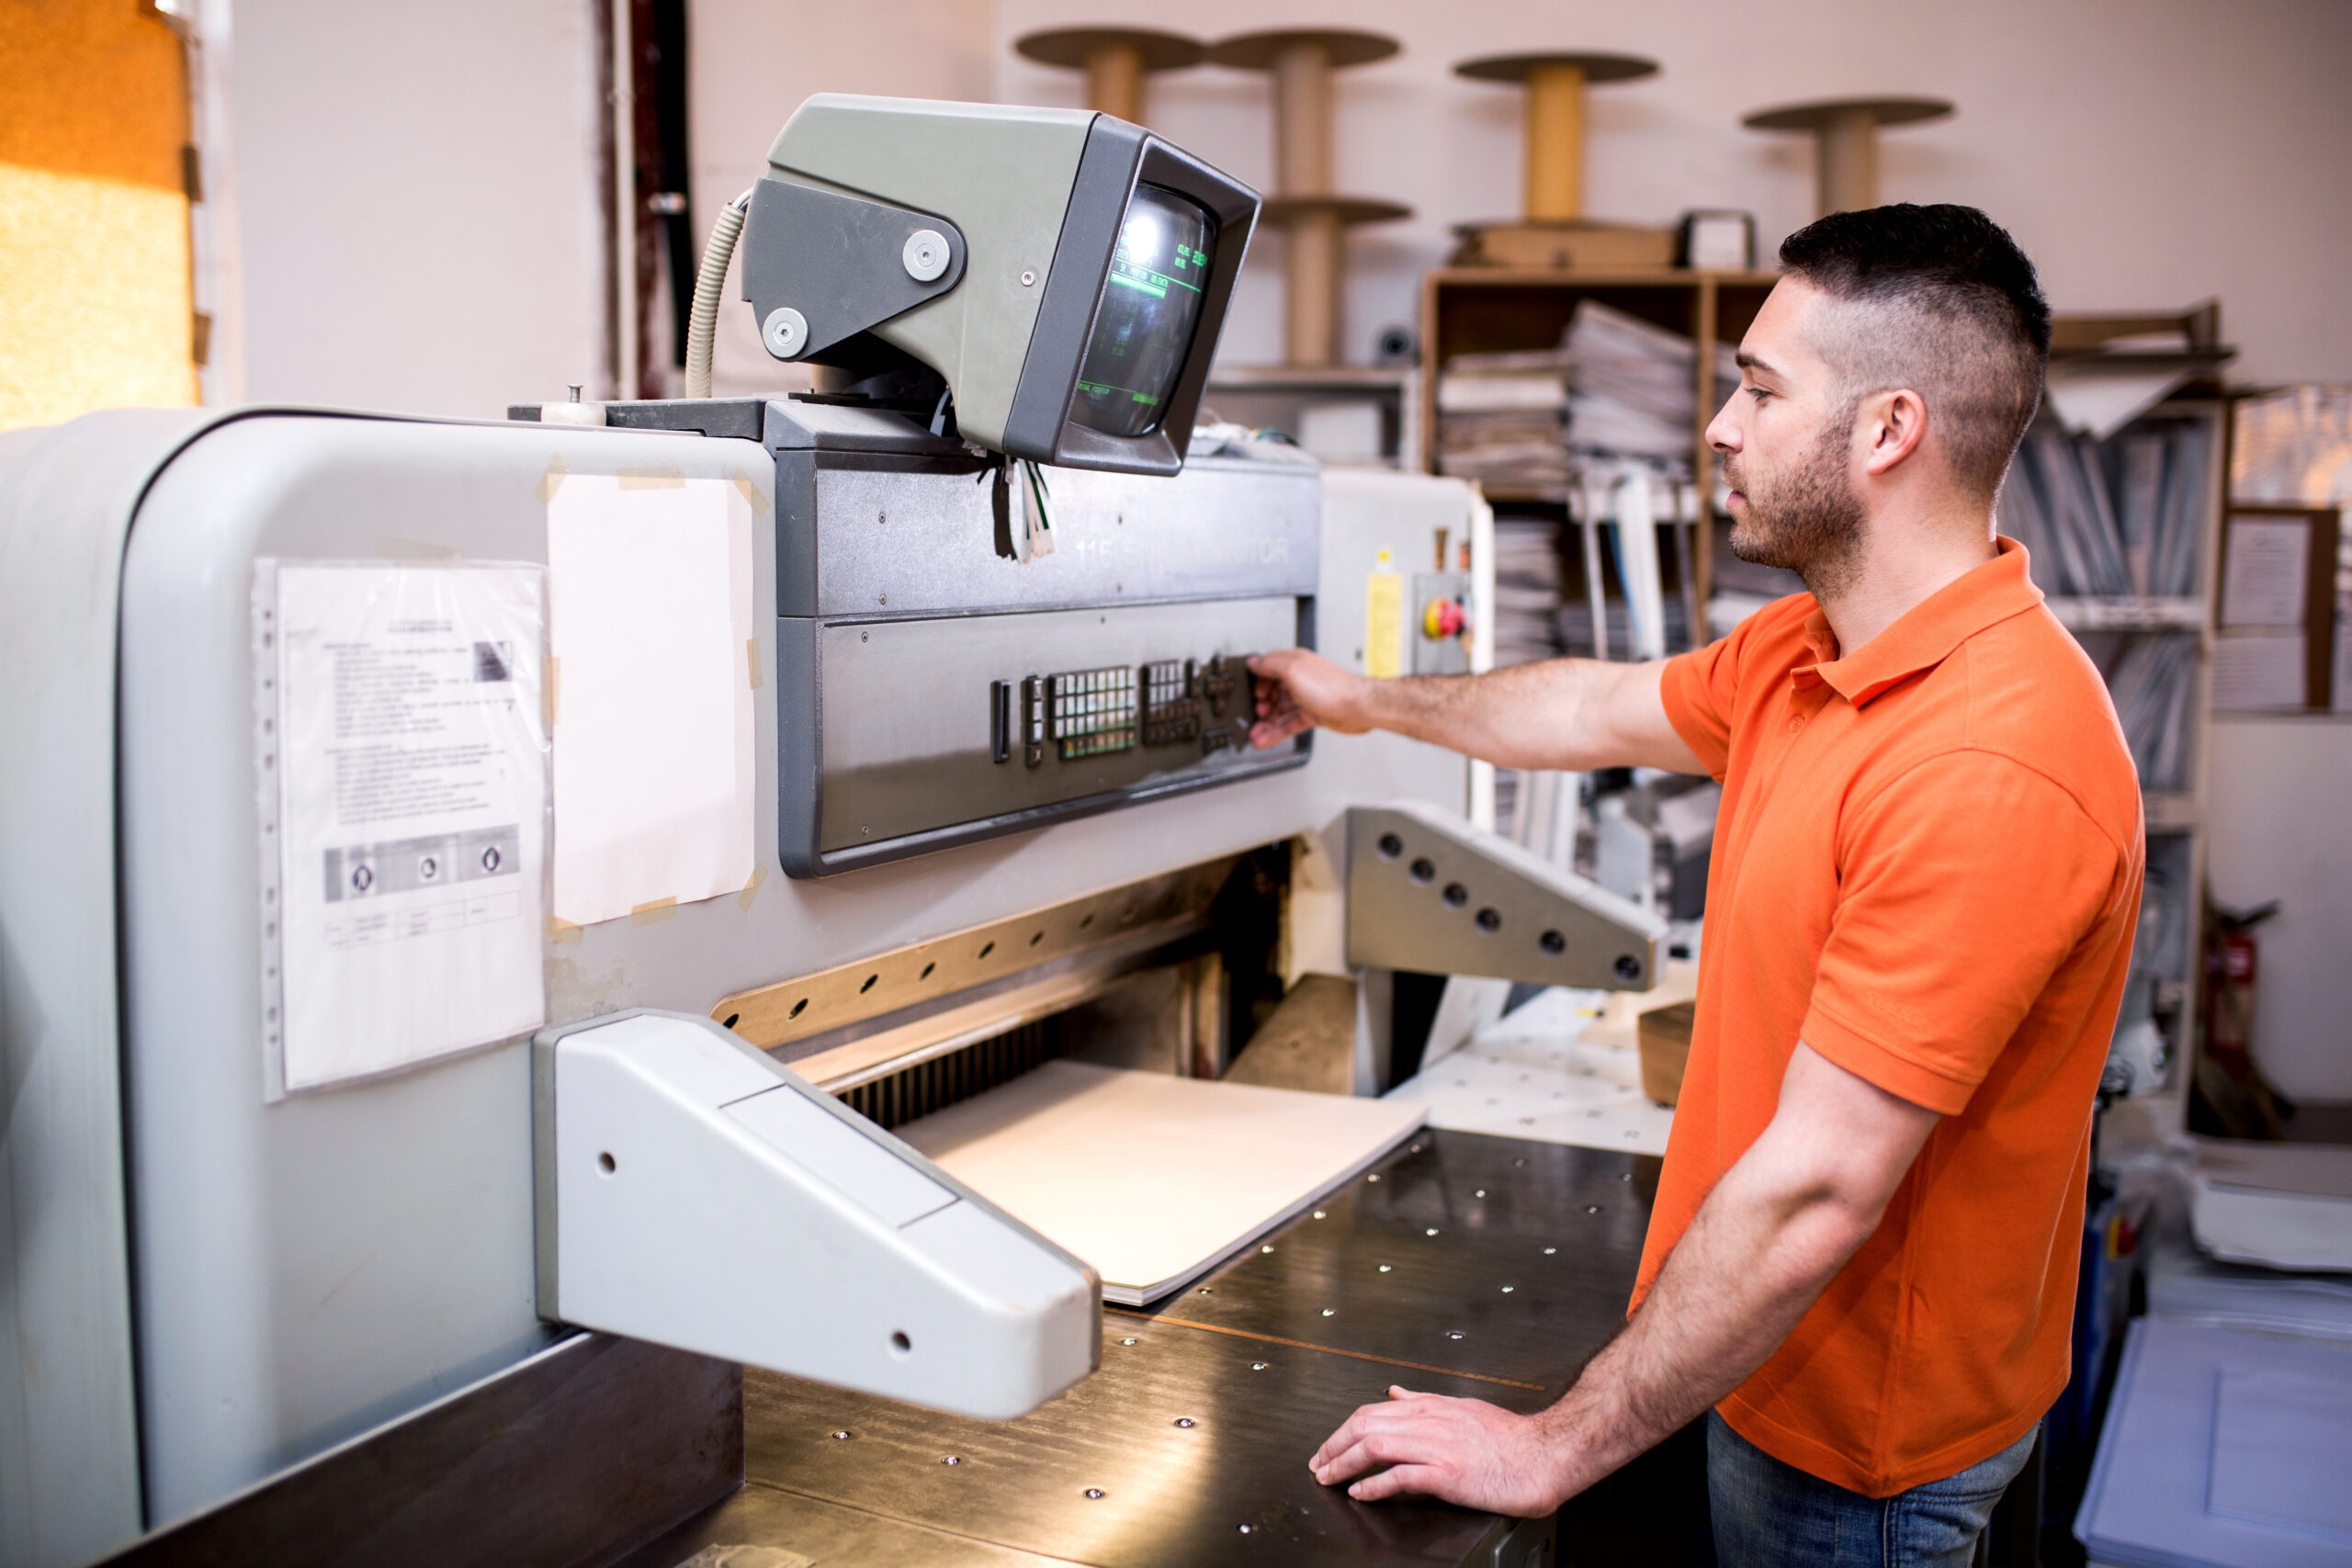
x,y
2145,152
417,204
417,223
754,61
2276,802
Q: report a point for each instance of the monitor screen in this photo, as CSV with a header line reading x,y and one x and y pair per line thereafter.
x,y
1143,328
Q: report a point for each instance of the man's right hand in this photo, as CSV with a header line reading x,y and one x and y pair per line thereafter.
x,y
1297,689
1570,713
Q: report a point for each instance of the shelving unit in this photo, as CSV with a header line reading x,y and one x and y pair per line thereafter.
x,y
2176,817
1285,397
1501,310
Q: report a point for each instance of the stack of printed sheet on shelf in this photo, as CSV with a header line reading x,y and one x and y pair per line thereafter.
x,y
2110,518
1499,419
1617,388
2122,518
1527,589
2151,682
1632,387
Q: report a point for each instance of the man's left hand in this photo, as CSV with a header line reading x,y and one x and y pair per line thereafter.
x,y
1462,1451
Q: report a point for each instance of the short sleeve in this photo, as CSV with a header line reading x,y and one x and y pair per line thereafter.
x,y
1962,886
1701,688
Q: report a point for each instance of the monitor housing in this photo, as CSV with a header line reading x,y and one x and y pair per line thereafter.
x,y
1059,275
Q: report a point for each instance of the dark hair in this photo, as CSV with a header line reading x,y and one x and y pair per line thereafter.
x,y
1951,309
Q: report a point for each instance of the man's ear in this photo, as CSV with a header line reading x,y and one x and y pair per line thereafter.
x,y
1891,425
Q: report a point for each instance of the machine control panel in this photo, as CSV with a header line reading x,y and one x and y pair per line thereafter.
x,y
1087,713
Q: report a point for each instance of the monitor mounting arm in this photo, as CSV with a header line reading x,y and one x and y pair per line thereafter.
x,y
821,265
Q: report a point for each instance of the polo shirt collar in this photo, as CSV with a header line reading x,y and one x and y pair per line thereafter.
x,y
1924,634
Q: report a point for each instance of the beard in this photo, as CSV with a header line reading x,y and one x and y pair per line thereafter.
x,y
1807,520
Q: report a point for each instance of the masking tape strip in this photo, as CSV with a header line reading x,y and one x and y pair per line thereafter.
x,y
759,503
551,688
654,909
551,482
752,888
752,652
652,479
563,931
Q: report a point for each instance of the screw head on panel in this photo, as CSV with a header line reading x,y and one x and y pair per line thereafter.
x,y
925,255
784,332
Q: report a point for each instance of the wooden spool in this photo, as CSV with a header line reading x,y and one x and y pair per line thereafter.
x,y
1116,61
1553,190
1846,142
1313,218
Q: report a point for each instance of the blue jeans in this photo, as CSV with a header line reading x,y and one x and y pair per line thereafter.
x,y
1771,1515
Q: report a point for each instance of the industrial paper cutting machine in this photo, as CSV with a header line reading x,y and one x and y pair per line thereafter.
x,y
306,1245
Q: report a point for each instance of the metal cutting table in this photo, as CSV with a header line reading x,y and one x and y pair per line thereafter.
x,y
1469,1265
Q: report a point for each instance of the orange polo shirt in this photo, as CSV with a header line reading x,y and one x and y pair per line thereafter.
x,y
1926,867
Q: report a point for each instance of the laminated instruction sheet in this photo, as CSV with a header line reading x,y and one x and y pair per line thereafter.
x,y
405,843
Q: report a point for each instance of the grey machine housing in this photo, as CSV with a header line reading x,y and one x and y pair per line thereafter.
x,y
1029,203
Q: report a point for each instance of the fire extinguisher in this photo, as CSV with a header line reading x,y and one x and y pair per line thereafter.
x,y
2233,1091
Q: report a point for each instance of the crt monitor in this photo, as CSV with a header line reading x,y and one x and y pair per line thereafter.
x,y
1060,277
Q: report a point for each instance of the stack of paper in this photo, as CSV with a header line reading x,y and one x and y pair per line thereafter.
x,y
2151,684
2114,518
1154,1180
1632,393
1498,418
1527,589
1573,625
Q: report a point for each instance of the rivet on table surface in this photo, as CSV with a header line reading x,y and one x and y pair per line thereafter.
x,y
1183,1421
1130,1341
1508,1289
1318,1213
1267,1247
1454,1334
1480,1193
1373,1176
1329,1312
843,1437
1205,1291
951,1459
1550,1250
1432,1230
1245,1530
1592,1208
1094,1494
1257,1366
1384,1267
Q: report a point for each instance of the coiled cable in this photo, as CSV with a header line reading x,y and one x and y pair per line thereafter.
x,y
702,322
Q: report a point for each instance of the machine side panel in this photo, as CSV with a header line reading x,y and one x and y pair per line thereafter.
x,y
310,1268
68,1453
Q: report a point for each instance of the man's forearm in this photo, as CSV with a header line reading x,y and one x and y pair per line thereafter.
x,y
1528,715
1755,1260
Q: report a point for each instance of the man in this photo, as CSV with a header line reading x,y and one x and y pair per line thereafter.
x,y
1927,874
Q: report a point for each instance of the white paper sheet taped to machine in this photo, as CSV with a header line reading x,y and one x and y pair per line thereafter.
x,y
650,609
410,814
1151,1178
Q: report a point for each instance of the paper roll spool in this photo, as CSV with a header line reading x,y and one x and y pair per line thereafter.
x,y
1553,122
1846,142
1115,60
1301,62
